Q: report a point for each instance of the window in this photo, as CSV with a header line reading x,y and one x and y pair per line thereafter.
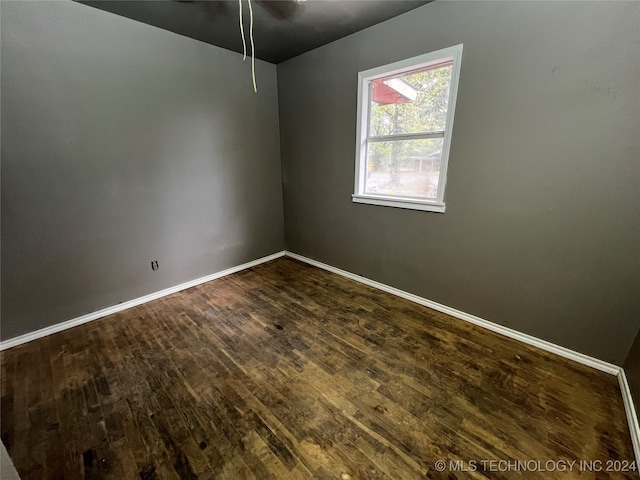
x,y
404,131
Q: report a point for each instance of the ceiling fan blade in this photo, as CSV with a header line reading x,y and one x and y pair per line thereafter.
x,y
282,9
211,9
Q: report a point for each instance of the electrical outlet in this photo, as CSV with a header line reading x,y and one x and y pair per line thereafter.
x,y
154,265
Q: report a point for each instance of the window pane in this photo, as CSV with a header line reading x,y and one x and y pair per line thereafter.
x,y
412,102
404,168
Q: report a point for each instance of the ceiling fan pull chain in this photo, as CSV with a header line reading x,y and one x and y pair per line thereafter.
x,y
253,56
244,44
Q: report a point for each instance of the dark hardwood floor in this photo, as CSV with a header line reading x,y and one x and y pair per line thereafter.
x,y
287,371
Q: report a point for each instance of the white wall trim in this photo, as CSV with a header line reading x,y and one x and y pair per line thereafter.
x,y
632,417
494,327
399,203
58,327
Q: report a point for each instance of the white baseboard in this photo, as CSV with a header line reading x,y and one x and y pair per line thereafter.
x,y
632,417
58,327
494,327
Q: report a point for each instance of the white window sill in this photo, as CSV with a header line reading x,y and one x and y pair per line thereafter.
x,y
399,203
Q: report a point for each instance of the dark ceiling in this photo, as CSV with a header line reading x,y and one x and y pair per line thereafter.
x,y
282,29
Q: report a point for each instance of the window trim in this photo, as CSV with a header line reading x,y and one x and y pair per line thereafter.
x,y
362,128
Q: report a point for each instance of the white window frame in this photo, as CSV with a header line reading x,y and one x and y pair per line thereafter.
x,y
452,54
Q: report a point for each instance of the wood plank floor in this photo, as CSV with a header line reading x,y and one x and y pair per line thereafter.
x,y
287,371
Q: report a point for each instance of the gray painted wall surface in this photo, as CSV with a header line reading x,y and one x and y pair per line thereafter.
x,y
542,228
121,144
632,371
7,469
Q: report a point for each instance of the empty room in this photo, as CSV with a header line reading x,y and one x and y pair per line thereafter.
x,y
332,239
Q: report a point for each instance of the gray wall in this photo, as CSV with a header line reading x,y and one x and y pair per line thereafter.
x,y
7,469
632,371
121,144
542,228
